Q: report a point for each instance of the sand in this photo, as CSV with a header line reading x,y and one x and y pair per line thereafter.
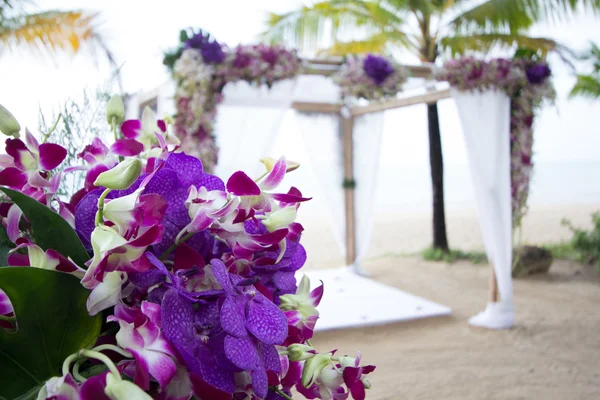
x,y
553,352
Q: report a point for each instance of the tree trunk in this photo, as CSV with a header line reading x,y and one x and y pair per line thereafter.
x,y
436,161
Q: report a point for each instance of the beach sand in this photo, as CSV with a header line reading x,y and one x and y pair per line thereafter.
x,y
553,352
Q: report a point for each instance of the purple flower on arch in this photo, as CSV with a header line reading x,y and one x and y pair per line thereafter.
x,y
377,68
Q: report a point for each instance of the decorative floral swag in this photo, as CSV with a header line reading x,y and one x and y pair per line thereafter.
x,y
527,83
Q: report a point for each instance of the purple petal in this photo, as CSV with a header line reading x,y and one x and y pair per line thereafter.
x,y
260,384
85,213
233,316
266,321
285,281
298,259
276,175
271,358
289,198
188,168
242,353
127,147
5,304
177,315
51,155
145,280
210,182
13,177
203,363
12,224
131,128
241,184
93,388
220,272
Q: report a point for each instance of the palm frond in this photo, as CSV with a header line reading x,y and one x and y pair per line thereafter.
x,y
460,45
306,27
515,16
378,44
49,31
586,86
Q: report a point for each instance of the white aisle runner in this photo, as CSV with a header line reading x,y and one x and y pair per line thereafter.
x,y
351,300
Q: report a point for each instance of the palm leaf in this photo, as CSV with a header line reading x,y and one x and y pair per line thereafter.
x,y
307,27
586,86
49,31
515,16
460,45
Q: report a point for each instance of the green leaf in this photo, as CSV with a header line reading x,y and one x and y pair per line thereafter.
x,y
52,323
5,246
50,230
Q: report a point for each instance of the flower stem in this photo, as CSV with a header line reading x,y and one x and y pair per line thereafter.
x,y
113,125
67,364
101,357
52,128
174,245
114,348
280,392
100,213
8,319
76,373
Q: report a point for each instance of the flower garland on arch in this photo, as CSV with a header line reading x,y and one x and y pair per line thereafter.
x,y
370,77
202,67
527,83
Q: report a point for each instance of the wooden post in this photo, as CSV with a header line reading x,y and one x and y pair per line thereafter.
x,y
493,286
347,123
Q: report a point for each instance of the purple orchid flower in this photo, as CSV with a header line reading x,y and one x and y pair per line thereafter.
x,y
377,68
31,162
538,73
141,335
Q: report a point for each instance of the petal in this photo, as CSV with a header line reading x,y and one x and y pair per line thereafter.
x,y
51,155
271,358
275,176
37,181
12,224
233,317
127,147
31,141
188,168
131,128
357,390
5,304
13,177
177,315
260,384
266,321
161,366
106,294
220,272
93,388
205,390
187,257
241,184
242,353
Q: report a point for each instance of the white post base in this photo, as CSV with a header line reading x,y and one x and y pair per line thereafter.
x,y
358,270
500,315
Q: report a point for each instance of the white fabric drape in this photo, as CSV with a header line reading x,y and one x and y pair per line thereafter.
x,y
368,131
247,125
323,141
485,119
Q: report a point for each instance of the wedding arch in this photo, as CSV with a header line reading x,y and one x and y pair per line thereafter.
x,y
496,102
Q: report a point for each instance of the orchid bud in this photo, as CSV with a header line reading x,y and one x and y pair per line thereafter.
x,y
8,123
347,361
300,352
331,377
122,176
313,367
119,389
115,110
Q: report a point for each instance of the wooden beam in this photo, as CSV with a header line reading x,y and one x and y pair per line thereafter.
x,y
347,126
426,98
328,66
308,106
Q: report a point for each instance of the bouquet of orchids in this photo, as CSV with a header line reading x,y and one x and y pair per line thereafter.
x,y
156,280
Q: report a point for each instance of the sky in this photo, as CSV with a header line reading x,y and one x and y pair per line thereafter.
x,y
139,33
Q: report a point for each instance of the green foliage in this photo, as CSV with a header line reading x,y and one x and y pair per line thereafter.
x,y
451,256
52,323
562,251
586,244
51,231
5,246
588,85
